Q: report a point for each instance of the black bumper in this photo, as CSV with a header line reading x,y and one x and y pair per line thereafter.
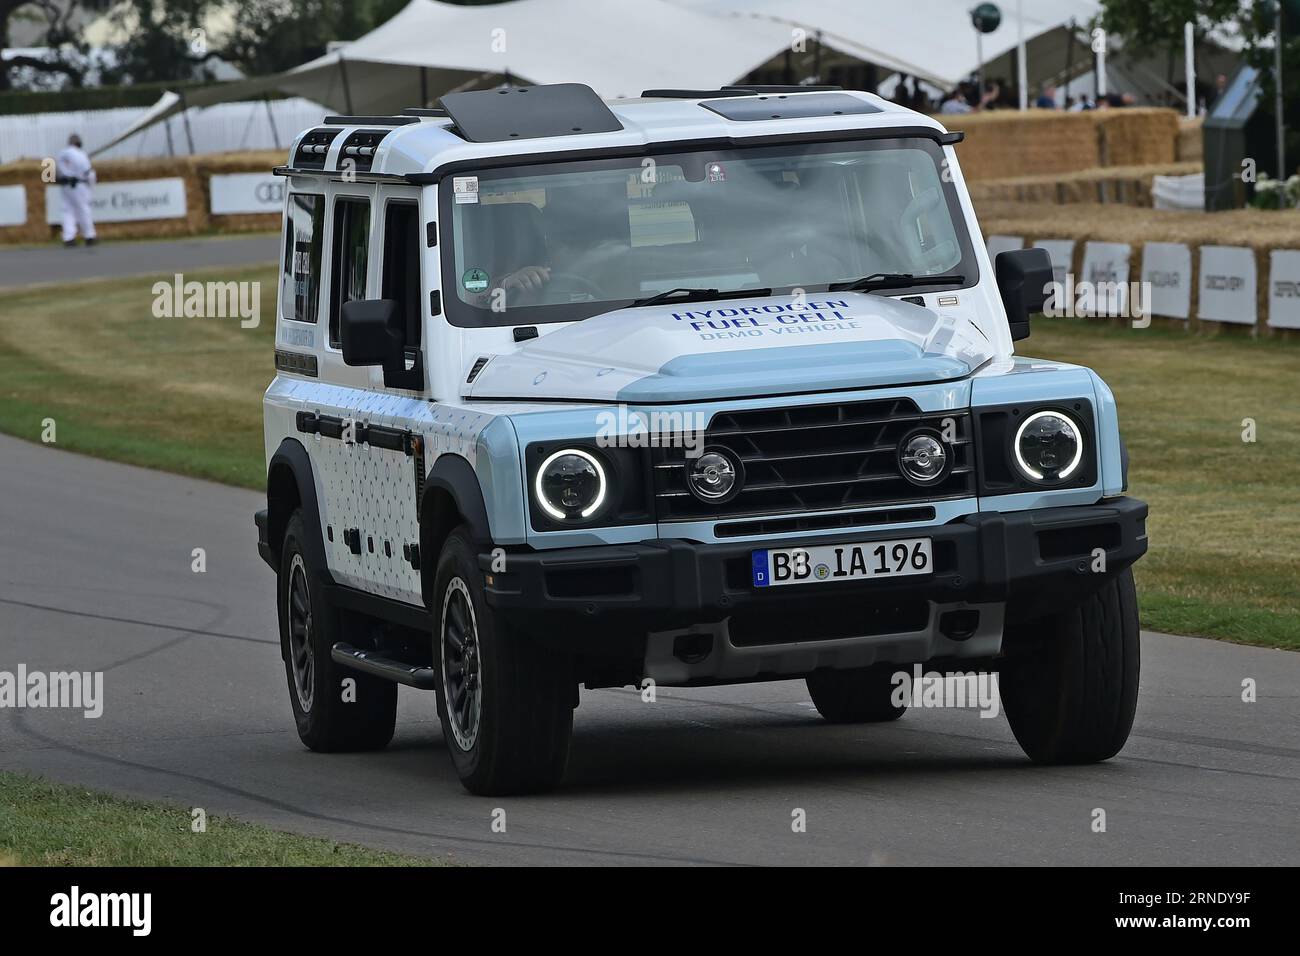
x,y
1034,561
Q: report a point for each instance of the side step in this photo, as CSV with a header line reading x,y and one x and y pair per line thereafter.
x,y
388,669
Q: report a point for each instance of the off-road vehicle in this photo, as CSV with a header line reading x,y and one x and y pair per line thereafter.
x,y
695,388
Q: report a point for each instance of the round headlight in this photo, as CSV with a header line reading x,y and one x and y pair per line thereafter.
x,y
923,458
1048,446
570,485
713,476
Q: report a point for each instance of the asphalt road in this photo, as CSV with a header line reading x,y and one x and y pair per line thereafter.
x,y
53,264
95,574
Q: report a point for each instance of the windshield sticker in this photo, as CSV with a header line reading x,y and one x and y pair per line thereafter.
x,y
465,189
474,280
716,173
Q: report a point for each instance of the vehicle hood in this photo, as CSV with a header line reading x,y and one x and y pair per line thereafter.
x,y
774,345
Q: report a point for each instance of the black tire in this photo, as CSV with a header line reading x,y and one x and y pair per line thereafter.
x,y
327,722
505,701
1069,685
860,696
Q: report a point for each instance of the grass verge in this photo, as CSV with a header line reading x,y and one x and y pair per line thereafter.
x,y
47,824
185,395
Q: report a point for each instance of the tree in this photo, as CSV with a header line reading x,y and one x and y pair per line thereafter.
x,y
58,19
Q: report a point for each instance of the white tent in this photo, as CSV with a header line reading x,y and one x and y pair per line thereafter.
x,y
930,39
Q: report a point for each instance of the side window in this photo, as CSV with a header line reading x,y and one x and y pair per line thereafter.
x,y
402,264
351,256
303,237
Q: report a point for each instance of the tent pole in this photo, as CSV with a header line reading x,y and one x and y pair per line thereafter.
x,y
817,59
1069,58
185,117
1022,56
424,86
1189,66
1281,119
347,90
167,125
270,118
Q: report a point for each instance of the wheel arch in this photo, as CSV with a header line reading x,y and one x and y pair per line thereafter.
x,y
290,484
452,496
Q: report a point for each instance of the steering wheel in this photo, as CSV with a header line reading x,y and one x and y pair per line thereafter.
x,y
580,283
519,296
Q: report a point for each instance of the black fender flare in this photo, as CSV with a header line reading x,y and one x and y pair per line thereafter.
x,y
456,476
293,456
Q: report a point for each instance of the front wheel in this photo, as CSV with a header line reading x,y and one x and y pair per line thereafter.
x,y
1070,682
505,702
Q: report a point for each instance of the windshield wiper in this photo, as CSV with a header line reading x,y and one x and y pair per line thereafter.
x,y
893,280
697,295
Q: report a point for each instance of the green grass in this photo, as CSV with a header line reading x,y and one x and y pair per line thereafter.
x,y
1225,521
181,394
185,395
45,824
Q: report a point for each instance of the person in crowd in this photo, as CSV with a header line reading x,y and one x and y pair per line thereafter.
x,y
967,98
1047,97
76,177
901,94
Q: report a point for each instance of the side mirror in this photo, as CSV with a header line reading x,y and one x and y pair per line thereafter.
x,y
372,333
1025,280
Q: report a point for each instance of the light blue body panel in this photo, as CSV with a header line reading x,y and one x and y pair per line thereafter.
x,y
805,368
1020,380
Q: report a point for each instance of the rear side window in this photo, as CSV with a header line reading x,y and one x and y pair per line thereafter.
x,y
402,264
303,237
351,256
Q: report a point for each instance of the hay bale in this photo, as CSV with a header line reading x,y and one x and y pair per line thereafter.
x,y
1009,143
1128,185
1256,229
1191,140
1136,137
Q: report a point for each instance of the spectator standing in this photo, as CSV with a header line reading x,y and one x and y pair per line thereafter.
x,y
75,176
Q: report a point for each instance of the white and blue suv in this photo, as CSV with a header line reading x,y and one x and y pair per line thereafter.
x,y
696,388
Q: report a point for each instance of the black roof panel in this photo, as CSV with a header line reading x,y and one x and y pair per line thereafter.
x,y
788,106
529,112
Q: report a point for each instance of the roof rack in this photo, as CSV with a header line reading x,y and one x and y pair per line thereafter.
x,y
424,111
369,120
692,94
528,112
770,106
755,88
736,90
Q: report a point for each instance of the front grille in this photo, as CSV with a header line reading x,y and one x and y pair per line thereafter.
x,y
816,458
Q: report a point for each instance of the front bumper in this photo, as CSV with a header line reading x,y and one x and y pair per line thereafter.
x,y
1031,561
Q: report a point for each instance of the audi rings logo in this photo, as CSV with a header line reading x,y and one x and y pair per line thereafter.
x,y
270,193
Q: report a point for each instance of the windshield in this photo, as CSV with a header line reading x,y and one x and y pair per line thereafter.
x,y
562,241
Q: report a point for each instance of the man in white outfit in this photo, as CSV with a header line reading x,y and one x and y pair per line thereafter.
x,y
76,176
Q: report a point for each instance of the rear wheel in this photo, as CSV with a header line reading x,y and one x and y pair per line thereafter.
x,y
505,701
1070,681
860,696
331,714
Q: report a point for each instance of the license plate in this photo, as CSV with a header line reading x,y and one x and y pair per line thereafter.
x,y
842,562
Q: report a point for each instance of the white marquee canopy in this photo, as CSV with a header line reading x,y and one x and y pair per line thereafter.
x,y
621,47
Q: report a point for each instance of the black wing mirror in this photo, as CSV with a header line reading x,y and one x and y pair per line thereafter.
x,y
1025,280
372,333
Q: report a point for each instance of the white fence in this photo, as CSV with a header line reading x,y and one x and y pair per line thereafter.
x,y
221,128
